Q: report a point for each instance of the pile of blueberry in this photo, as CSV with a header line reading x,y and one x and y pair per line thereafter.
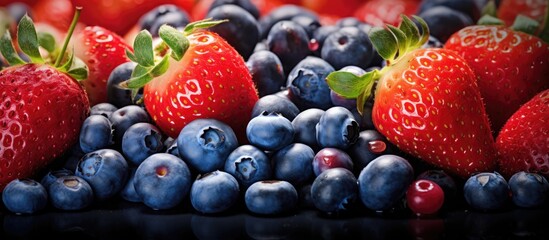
x,y
304,146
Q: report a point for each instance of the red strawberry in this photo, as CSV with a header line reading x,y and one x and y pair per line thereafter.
x,y
42,107
120,15
57,13
381,12
511,67
508,10
523,143
326,7
102,50
426,101
209,79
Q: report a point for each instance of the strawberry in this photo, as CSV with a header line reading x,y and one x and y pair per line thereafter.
x,y
102,50
120,15
42,107
508,10
326,7
523,143
204,78
511,66
57,13
381,12
426,101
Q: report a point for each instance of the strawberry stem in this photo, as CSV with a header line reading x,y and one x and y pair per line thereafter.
x,y
68,37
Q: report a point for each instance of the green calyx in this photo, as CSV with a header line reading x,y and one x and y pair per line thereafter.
x,y
30,42
153,61
392,44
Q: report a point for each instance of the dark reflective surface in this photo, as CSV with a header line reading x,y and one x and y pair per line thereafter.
x,y
123,220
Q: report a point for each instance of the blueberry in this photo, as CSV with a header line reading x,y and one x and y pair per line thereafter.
x,y
529,190
328,158
72,157
214,192
283,12
294,163
204,144
337,128
444,21
24,196
334,190
164,14
433,42
270,131
271,197
275,104
348,46
486,191
70,193
469,7
173,149
309,24
248,164
247,5
125,117
162,181
319,36
305,197
289,41
53,175
116,95
240,31
105,170
369,145
140,141
105,109
267,72
348,22
305,126
307,84
96,133
128,193
384,181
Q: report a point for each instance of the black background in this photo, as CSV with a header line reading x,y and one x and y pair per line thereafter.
x,y
125,220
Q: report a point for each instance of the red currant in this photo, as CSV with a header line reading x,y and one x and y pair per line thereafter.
x,y
424,197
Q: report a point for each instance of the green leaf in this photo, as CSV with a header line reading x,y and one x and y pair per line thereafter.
x,y
204,23
490,9
402,41
140,70
28,39
161,67
8,51
384,42
425,33
130,55
490,20
525,24
175,39
47,41
544,32
143,49
347,84
79,70
68,64
138,81
411,31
